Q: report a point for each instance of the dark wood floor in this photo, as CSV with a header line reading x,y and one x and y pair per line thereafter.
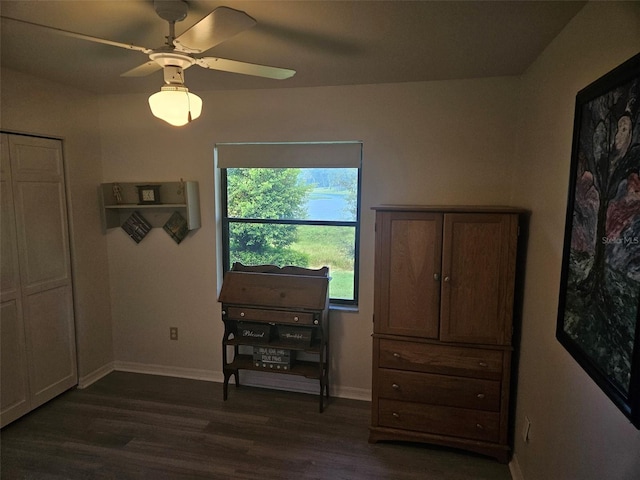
x,y
132,426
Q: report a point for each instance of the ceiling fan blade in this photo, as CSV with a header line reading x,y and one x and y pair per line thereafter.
x,y
82,36
215,28
245,68
143,70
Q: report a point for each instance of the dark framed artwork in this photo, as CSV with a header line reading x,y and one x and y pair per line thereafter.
x,y
176,227
136,226
599,305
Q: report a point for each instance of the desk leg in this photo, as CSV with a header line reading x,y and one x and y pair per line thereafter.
x,y
225,386
324,373
327,360
227,371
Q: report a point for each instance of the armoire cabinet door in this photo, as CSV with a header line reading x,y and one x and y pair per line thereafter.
x,y
478,271
407,273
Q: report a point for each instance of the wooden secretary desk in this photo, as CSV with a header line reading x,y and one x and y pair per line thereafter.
x,y
276,320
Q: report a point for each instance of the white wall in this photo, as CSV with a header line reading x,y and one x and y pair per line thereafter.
x,y
577,433
37,107
439,143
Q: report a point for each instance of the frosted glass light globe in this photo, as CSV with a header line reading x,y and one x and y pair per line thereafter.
x,y
175,105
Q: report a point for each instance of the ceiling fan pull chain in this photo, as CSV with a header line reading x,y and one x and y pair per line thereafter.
x,y
189,119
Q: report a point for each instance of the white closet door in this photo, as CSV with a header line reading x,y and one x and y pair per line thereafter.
x,y
45,267
14,391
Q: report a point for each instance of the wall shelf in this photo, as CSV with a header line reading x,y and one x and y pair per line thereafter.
x,y
181,197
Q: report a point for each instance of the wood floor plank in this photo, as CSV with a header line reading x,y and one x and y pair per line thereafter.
x,y
134,426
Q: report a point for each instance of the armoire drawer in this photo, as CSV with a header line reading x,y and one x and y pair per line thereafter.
x,y
270,316
436,389
443,359
440,420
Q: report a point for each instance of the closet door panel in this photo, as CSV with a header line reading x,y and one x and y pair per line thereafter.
x,y
14,390
51,347
9,273
35,158
45,267
42,235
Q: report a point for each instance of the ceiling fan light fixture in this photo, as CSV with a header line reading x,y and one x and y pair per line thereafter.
x,y
175,105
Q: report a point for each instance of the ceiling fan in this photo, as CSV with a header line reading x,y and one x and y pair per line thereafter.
x,y
179,53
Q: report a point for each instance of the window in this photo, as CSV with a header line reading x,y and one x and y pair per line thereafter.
x,y
304,212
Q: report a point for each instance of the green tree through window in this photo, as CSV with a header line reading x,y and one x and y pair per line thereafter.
x,y
306,217
265,193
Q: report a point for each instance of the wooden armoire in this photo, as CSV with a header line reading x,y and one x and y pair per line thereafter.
x,y
443,323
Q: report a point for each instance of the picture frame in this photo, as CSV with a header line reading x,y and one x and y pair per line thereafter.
x,y
176,227
599,302
148,194
136,227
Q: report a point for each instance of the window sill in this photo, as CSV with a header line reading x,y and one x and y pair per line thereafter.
x,y
344,308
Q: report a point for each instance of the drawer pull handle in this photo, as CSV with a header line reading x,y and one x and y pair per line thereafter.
x,y
242,314
447,279
483,364
315,322
396,355
395,386
295,319
395,415
436,276
480,396
479,427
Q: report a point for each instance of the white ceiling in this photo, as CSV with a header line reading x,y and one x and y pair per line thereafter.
x,y
326,42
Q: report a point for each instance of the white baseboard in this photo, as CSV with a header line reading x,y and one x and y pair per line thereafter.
x,y
351,393
86,380
150,369
247,377
514,468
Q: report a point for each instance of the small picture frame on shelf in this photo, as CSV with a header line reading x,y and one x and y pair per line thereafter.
x,y
116,190
176,227
148,194
136,226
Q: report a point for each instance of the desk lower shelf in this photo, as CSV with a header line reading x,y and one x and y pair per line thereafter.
x,y
299,367
308,369
314,347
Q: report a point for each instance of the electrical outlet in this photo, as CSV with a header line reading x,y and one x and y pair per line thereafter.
x,y
173,333
526,430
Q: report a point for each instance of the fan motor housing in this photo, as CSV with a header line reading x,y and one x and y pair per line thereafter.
x,y
172,65
173,59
